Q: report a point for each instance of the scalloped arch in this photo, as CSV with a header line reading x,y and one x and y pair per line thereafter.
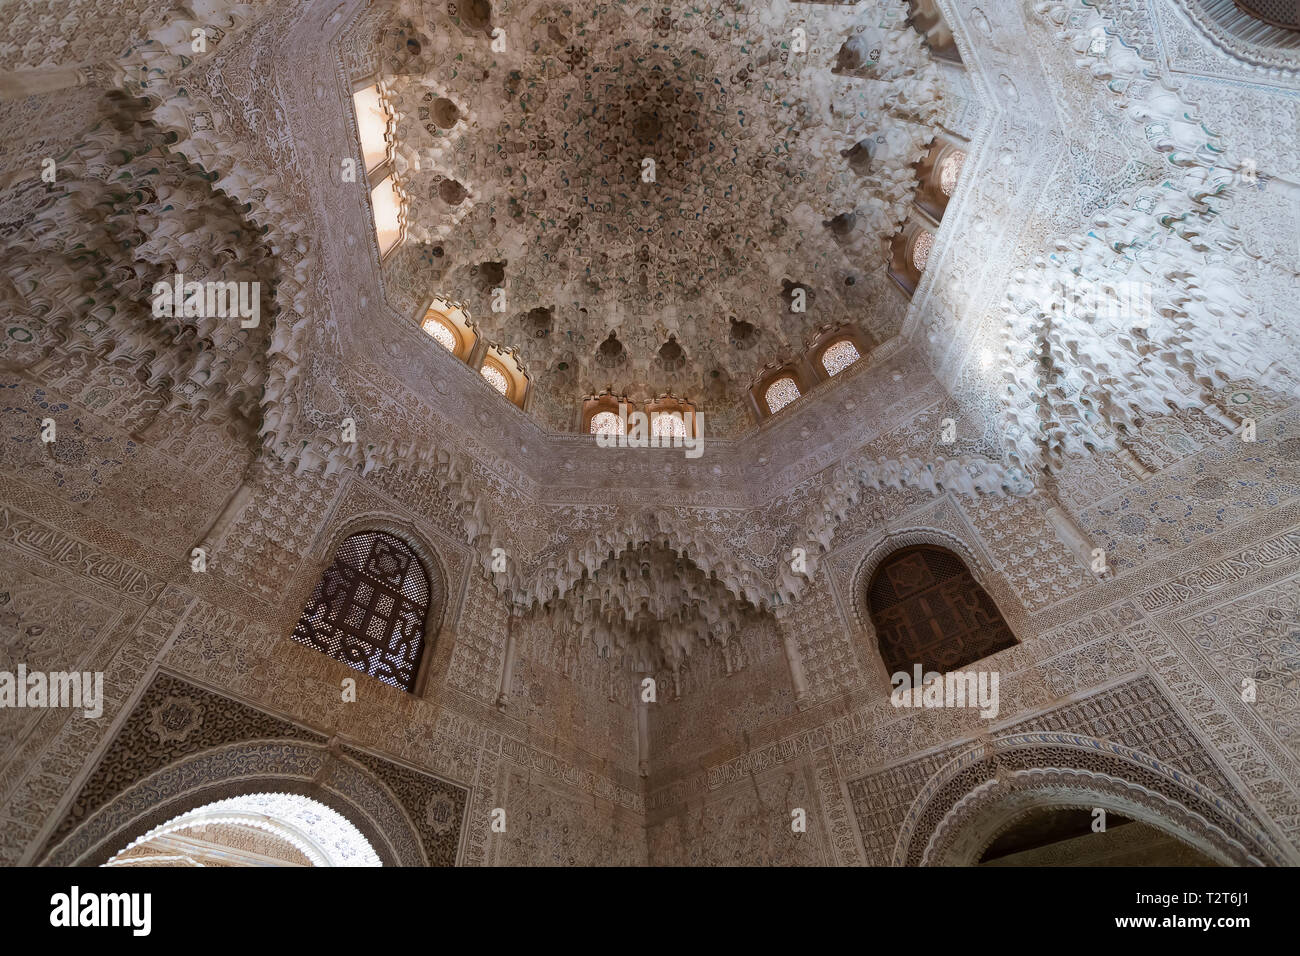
x,y
237,769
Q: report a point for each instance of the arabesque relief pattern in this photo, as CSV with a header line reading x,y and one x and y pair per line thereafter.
x,y
572,573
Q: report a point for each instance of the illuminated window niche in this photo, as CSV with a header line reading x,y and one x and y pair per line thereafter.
x,y
909,247
827,352
600,414
449,326
502,370
496,376
922,243
938,180
672,417
781,393
950,171
837,357
436,327
778,387
938,176
605,423
387,202
372,127
835,348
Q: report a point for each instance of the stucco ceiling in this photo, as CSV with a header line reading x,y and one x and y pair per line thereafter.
x,y
647,187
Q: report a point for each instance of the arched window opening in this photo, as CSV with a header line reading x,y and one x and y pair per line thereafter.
x,y
502,369
436,327
606,423
448,324
950,171
921,247
605,414
256,829
839,356
928,609
672,418
938,175
781,393
369,609
496,378
668,425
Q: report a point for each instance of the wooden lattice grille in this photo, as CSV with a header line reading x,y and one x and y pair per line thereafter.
x,y
369,608
927,609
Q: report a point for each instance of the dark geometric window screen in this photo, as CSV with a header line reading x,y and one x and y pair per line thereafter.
x,y
369,608
927,609
1278,13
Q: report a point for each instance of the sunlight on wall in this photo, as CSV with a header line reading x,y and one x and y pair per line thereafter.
x,y
387,206
372,120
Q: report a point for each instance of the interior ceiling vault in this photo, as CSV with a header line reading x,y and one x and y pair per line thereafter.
x,y
784,140
656,173
1066,458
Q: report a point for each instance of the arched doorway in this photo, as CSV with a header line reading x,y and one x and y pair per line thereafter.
x,y
255,829
1016,784
1052,835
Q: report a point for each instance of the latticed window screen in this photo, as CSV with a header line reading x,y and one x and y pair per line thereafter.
x,y
1278,13
927,609
369,608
